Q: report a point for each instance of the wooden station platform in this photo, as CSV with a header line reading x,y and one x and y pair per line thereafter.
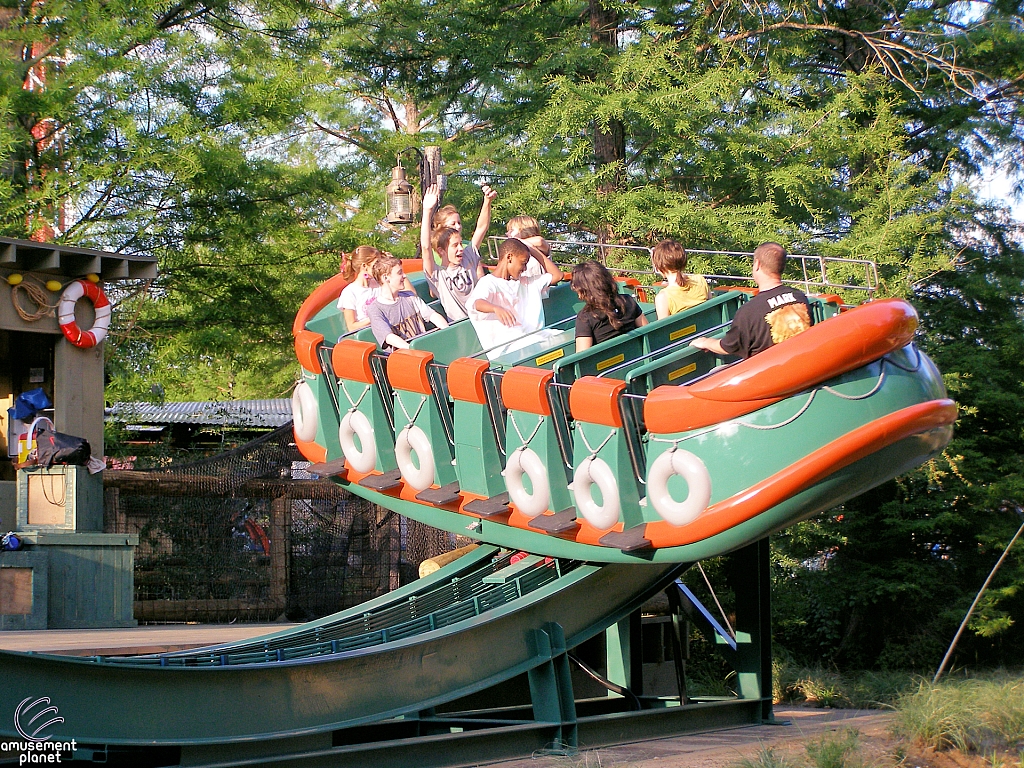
x,y
157,638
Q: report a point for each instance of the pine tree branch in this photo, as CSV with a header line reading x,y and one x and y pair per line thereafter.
x,y
346,137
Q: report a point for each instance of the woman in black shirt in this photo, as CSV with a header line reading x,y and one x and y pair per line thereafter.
x,y
608,313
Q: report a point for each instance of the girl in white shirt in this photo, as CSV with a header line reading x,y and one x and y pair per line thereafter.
x,y
362,288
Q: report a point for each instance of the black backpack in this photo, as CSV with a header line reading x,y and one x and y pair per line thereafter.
x,y
54,447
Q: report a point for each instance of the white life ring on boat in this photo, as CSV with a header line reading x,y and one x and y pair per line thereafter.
x,y
304,417
693,471
410,439
593,471
355,424
66,314
525,461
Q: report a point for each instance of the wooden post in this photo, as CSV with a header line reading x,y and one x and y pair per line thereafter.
x,y
431,169
280,546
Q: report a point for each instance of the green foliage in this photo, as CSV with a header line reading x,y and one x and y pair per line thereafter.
x,y
885,581
837,750
766,757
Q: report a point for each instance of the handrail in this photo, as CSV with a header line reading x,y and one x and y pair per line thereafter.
x,y
561,417
633,428
332,380
496,409
379,366
822,263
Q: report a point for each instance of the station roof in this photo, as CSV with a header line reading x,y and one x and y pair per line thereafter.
x,y
68,261
229,413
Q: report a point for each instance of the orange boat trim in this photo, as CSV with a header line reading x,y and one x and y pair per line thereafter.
x,y
844,343
596,401
466,380
407,370
351,360
526,389
802,474
306,344
315,452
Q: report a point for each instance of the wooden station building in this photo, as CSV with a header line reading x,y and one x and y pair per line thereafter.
x,y
70,574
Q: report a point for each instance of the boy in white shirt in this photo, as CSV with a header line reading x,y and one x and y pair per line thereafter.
x,y
506,305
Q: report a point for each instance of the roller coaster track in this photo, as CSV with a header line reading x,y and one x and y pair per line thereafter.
x,y
479,621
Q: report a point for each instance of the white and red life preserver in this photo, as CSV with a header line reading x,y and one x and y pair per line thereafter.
x,y
66,314
411,440
361,457
304,414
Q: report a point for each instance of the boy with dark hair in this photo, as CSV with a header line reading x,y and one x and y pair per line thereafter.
x,y
506,305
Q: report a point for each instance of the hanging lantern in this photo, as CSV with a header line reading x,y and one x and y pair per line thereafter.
x,y
399,194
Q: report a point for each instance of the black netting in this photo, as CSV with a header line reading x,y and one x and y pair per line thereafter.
x,y
251,535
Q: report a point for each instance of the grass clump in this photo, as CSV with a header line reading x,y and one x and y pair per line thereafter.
x,y
766,757
835,750
838,750
972,715
820,687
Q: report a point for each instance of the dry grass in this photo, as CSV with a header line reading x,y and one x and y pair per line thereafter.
x,y
983,716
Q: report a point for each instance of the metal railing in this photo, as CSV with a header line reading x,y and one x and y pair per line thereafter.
x,y
814,272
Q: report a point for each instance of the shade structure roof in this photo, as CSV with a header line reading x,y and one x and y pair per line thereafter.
x,y
69,261
274,412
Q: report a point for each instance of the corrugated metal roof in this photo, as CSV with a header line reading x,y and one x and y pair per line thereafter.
x,y
233,413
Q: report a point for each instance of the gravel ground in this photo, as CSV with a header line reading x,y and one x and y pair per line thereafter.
x,y
719,749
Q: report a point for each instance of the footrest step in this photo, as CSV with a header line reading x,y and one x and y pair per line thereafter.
x,y
631,540
559,522
327,468
446,494
385,482
495,505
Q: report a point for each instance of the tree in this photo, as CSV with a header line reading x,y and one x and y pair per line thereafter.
x,y
886,580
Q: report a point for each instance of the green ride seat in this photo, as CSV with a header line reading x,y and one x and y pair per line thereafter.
x,y
612,358
457,340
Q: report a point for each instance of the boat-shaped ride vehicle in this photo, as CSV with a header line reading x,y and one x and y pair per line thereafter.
x,y
641,447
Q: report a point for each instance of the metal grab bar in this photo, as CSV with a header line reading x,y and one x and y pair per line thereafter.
x,y
437,373
324,354
561,417
577,250
631,408
378,365
667,348
497,410
553,327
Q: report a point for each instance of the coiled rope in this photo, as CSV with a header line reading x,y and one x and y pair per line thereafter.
x,y
38,296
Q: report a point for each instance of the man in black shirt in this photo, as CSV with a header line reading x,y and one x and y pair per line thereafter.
x,y
778,312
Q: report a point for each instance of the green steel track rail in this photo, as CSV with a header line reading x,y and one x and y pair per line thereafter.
x,y
476,624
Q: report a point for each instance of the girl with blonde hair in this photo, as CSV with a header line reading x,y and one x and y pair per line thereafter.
x,y
357,269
